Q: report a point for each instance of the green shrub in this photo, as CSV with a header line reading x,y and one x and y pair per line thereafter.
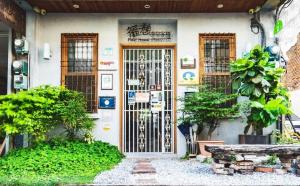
x,y
285,137
58,162
24,113
207,108
39,110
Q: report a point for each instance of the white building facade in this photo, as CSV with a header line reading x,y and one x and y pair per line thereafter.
x,y
133,68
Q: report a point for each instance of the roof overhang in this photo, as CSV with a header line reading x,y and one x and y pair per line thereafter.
x,y
146,6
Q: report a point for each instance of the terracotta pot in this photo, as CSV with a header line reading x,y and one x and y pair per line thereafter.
x,y
202,146
264,169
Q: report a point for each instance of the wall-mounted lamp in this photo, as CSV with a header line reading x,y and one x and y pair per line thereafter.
x,y
220,5
46,51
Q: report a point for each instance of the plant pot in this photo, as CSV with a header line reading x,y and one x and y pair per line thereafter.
x,y
264,169
280,171
253,139
203,143
298,172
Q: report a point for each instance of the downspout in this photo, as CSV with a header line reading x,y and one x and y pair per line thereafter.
x,y
281,6
257,27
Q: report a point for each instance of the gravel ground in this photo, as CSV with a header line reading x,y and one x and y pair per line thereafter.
x,y
183,172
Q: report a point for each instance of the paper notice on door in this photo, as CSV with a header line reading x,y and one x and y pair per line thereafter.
x,y
142,97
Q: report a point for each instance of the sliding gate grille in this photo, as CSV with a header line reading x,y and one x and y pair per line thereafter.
x,y
144,130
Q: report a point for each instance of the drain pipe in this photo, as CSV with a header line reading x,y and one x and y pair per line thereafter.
x,y
256,26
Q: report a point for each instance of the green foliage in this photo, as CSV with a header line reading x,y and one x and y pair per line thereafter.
x,y
272,160
265,114
284,138
207,107
207,160
58,162
39,110
256,77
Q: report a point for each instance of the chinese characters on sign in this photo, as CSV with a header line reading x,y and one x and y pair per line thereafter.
x,y
144,33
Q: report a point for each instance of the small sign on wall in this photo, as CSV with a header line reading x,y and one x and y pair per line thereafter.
x,y
107,81
109,65
107,102
188,62
107,52
188,77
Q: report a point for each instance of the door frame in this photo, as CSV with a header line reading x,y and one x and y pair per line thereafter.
x,y
121,78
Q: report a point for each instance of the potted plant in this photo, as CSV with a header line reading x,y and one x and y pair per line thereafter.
x,y
256,77
206,108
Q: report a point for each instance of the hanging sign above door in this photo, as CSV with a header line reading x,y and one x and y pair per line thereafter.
x,y
148,32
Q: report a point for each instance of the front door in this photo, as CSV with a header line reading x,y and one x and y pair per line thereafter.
x,y
148,100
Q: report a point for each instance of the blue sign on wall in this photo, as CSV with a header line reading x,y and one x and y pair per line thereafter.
x,y
107,102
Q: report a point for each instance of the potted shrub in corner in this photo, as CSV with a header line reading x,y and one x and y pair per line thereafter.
x,y
257,78
206,108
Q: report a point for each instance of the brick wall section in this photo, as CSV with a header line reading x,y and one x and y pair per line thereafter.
x,y
292,76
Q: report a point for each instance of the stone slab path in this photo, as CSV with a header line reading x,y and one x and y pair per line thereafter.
x,y
174,171
142,167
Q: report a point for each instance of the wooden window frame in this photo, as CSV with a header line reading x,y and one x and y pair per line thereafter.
x,y
64,60
215,36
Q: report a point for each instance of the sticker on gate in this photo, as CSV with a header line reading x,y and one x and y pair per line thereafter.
x,y
133,82
131,97
156,101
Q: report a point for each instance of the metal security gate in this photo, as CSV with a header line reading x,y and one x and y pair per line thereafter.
x,y
148,100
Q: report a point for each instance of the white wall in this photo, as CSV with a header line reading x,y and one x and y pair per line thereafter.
x,y
288,38
49,28
291,27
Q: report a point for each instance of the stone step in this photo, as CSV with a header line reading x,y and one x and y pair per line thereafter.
x,y
150,181
143,167
143,161
144,171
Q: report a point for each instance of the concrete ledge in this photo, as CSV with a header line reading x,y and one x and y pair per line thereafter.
x,y
293,150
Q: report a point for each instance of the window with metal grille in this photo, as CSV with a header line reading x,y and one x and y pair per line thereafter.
x,y
79,54
216,52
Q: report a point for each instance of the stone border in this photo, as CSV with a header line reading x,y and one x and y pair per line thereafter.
x,y
230,159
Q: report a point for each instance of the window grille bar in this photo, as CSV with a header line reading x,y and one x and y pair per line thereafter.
x,y
218,51
79,65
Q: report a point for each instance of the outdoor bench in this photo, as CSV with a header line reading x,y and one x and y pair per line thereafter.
x,y
228,159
